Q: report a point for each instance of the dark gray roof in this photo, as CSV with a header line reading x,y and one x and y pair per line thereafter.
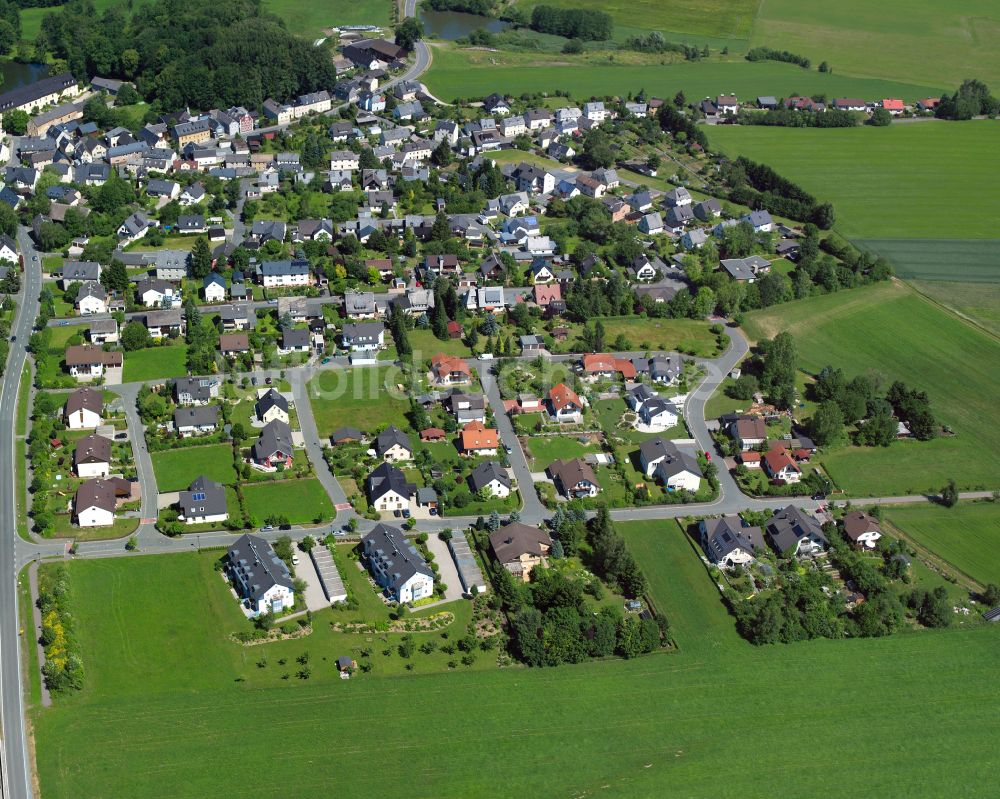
x,y
203,498
390,436
296,267
268,401
486,473
255,560
293,338
199,389
385,478
517,539
787,527
198,416
722,536
398,557
276,436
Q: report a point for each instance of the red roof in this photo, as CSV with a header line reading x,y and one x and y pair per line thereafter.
x,y
626,367
598,362
432,434
562,395
778,459
544,294
446,365
892,104
475,436
750,457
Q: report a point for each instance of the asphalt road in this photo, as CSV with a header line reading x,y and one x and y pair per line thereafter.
x,y
14,766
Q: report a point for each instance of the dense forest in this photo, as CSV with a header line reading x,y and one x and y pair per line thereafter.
x,y
197,53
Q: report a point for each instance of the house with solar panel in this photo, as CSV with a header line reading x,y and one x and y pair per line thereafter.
x,y
259,576
203,503
396,565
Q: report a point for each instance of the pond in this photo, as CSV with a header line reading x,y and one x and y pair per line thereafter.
x,y
15,74
451,25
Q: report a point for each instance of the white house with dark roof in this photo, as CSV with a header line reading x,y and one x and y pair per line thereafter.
x,y
729,542
259,576
396,565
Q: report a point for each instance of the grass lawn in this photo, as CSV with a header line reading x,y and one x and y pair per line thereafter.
x,y
64,528
470,73
641,727
978,302
966,536
893,330
176,468
888,182
302,501
545,449
308,19
684,335
358,397
155,363
426,345
20,450
919,40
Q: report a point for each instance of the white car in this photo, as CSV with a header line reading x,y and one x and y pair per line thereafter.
x,y
486,356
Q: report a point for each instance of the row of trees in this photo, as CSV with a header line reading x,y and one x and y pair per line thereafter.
x,y
791,118
585,24
63,668
770,54
762,187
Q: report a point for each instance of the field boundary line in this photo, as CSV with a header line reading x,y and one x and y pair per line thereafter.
x,y
952,311
931,555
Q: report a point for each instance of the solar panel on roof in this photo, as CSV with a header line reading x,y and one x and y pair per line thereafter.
x,y
198,496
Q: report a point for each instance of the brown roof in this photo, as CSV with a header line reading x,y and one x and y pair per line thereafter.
x,y
857,523
99,493
511,542
778,459
86,354
751,428
85,399
571,473
235,342
432,434
93,449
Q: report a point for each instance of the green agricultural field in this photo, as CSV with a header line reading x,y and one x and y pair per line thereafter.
x,y
978,302
358,397
728,19
301,501
972,260
309,19
476,73
889,182
923,41
155,363
966,536
176,468
893,330
638,728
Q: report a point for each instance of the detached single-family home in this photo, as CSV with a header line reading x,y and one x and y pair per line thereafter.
x,y
135,226
271,405
92,456
748,432
393,445
477,439
387,488
674,469
198,420
396,565
195,390
861,529
156,293
447,370
364,336
794,532
780,465
214,287
259,576
491,478
294,339
657,412
520,547
203,503
273,447
729,543
574,478
83,409
86,361
92,299
565,404
285,273
95,501
760,221
78,272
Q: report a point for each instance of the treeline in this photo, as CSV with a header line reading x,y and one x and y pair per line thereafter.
x,y
654,42
63,669
673,121
485,8
972,99
202,54
762,187
770,54
790,118
585,24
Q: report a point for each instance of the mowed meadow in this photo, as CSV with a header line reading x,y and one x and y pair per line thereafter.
x,y
896,332
165,713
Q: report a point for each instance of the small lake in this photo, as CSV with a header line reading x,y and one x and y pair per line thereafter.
x,y
451,25
16,74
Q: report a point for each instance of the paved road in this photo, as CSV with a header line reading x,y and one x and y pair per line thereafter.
x,y
143,462
15,770
314,447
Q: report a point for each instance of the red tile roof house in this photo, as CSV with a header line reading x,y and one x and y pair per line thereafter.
x,y
780,465
449,371
750,459
894,106
602,365
565,404
477,439
546,294
432,434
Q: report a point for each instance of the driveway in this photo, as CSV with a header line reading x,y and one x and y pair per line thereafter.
x,y
446,564
306,570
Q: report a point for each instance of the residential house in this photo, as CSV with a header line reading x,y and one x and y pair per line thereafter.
x,y
396,565
729,542
674,469
95,501
467,407
361,305
92,299
364,337
393,445
749,432
214,287
794,532
491,479
565,404
83,409
477,439
195,390
294,339
644,268
678,197
232,344
780,466
651,224
271,405
79,272
87,361
92,456
760,221
135,226
236,317
861,529
203,503
447,370
260,577
574,478
387,489
285,273
196,421
708,209
658,413
273,447
602,366
519,548
162,324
